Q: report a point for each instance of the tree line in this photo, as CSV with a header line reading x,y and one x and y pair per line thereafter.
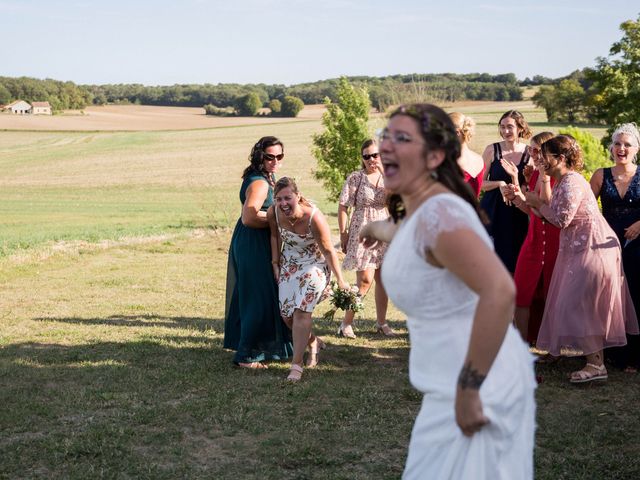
x,y
61,95
248,99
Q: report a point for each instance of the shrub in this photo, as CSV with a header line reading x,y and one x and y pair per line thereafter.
x,y
248,105
595,155
217,111
291,106
275,106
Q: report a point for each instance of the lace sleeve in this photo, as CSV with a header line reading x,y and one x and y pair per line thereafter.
x,y
348,193
564,203
443,213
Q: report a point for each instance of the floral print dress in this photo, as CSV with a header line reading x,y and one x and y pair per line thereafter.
x,y
304,273
369,204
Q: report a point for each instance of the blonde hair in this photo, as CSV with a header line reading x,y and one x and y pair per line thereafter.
x,y
465,125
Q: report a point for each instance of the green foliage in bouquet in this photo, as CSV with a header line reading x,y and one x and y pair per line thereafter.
x,y
343,300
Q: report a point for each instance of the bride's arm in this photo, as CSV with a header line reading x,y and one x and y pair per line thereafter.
x,y
378,231
482,271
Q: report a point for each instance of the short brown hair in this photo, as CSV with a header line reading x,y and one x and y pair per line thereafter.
x,y
524,131
568,146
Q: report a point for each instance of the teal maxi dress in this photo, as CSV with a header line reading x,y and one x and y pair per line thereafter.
x,y
253,326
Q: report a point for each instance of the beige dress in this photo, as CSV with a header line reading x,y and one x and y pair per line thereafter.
x,y
368,204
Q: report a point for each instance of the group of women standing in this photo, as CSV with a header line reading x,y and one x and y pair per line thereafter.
x,y
440,269
281,260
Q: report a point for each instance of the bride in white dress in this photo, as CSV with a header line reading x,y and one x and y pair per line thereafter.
x,y
476,374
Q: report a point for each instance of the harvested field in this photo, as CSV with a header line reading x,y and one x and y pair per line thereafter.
x,y
141,117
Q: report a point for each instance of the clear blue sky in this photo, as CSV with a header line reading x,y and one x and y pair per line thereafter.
x,y
162,42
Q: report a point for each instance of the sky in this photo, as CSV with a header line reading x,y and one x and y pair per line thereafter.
x,y
164,42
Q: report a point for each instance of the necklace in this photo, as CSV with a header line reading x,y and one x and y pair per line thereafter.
x,y
292,223
625,174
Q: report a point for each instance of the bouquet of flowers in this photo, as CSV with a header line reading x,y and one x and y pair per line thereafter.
x,y
341,299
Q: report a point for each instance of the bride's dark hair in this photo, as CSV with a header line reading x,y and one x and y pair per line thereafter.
x,y
439,133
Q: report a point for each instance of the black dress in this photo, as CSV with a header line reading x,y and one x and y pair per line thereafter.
x,y
253,325
508,225
620,213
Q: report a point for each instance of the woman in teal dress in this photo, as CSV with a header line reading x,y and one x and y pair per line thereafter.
x,y
253,326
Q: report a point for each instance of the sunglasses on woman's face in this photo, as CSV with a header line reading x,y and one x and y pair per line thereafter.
x,y
368,156
271,157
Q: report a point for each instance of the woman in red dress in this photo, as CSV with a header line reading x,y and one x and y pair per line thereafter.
x,y
538,253
470,162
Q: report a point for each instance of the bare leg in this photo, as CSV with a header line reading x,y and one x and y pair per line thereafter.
x,y
382,300
521,319
301,333
364,278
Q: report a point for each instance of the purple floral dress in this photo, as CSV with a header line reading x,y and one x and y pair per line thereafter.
x,y
588,306
304,273
368,203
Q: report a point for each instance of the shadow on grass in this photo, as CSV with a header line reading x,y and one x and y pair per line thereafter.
x,y
146,320
173,406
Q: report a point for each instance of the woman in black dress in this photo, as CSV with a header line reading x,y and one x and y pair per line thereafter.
x,y
619,190
505,164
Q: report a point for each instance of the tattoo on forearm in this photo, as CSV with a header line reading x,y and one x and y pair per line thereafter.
x,y
470,378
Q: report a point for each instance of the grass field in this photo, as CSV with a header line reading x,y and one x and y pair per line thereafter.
x,y
112,269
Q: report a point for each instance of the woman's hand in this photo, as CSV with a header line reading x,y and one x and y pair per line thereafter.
x,y
533,200
504,189
344,241
342,285
510,168
632,231
469,415
367,235
527,171
276,271
510,192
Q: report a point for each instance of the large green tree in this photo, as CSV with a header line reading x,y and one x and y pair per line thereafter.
x,y
564,102
337,148
615,93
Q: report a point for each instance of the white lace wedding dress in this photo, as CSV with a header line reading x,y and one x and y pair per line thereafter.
x,y
440,310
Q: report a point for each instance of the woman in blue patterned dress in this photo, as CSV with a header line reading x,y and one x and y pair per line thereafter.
x,y
253,326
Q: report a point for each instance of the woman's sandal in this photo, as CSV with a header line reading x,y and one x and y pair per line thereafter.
x,y
314,352
346,331
385,330
583,376
252,365
295,374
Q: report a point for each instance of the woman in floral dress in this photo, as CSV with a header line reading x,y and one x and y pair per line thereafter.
x,y
588,306
364,192
303,258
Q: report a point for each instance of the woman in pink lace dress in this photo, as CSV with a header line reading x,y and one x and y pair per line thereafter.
x,y
588,307
364,192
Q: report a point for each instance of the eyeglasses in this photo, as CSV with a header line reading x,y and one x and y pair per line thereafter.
x,y
533,151
395,138
368,156
271,157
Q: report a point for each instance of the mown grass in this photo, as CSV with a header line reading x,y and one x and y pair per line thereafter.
x,y
111,359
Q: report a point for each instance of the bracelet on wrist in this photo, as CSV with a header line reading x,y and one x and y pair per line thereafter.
x,y
275,262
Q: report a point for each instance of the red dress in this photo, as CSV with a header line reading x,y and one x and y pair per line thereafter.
x,y
535,265
474,182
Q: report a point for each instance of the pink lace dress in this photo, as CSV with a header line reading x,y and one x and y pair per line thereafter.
x,y
588,307
368,203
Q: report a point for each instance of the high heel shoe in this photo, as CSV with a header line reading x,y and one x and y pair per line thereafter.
x,y
346,331
385,330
